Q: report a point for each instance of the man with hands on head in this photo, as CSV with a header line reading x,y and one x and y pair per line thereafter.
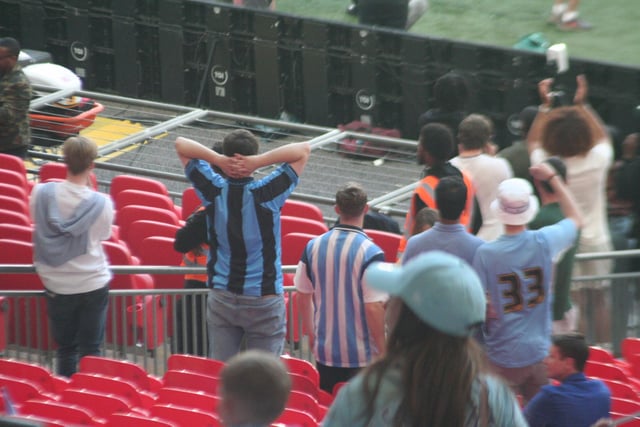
x,y
243,224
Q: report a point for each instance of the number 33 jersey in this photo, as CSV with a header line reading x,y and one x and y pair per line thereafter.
x,y
516,272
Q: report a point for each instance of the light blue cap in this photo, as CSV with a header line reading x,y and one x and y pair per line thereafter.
x,y
441,289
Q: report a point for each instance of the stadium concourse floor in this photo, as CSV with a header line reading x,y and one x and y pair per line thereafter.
x,y
154,154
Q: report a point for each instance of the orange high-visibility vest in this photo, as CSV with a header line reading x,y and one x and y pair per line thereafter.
x,y
426,191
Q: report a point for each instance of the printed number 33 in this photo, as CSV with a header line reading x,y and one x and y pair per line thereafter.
x,y
514,294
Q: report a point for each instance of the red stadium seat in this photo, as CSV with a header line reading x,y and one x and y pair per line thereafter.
x,y
190,202
337,387
191,381
15,178
145,198
324,398
388,242
137,420
15,191
620,389
129,214
127,182
292,224
187,398
296,418
71,414
185,417
302,210
53,171
624,406
293,244
36,374
200,365
22,312
17,205
303,384
117,386
302,367
149,314
612,372
13,163
629,347
12,217
140,230
122,369
164,254
22,233
100,404
304,403
22,389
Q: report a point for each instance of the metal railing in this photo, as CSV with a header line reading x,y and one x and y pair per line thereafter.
x,y
146,326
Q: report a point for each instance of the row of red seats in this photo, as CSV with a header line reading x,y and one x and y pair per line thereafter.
x,y
112,392
621,376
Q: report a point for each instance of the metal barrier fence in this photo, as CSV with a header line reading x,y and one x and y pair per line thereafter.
x,y
146,326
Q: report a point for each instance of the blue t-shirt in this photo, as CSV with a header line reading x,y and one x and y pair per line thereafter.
x,y
243,223
516,272
450,238
577,402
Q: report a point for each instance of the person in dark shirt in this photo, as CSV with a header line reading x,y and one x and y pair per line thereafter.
x,y
578,400
15,95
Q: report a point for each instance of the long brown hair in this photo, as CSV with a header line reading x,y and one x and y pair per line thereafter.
x,y
438,371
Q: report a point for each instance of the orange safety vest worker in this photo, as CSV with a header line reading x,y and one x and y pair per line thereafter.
x,y
426,191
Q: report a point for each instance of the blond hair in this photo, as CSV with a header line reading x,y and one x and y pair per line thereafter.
x,y
79,153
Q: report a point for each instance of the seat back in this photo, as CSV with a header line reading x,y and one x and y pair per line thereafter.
x,y
14,191
144,198
132,213
185,416
200,365
12,217
304,384
20,389
140,230
190,202
18,252
162,254
292,224
629,347
302,210
13,163
187,398
71,414
14,178
110,385
620,389
18,232
293,244
191,381
119,368
298,418
388,242
604,370
13,204
132,419
30,372
127,182
100,404
302,367
304,403
624,406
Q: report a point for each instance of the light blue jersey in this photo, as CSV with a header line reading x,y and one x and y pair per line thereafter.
x,y
516,271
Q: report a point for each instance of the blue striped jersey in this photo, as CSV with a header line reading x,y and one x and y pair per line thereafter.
x,y
243,223
332,268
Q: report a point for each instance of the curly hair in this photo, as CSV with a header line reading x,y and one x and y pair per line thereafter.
x,y
567,133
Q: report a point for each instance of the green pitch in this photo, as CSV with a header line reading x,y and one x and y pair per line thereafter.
x,y
615,37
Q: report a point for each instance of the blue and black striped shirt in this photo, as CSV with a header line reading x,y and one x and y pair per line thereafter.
x,y
243,223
